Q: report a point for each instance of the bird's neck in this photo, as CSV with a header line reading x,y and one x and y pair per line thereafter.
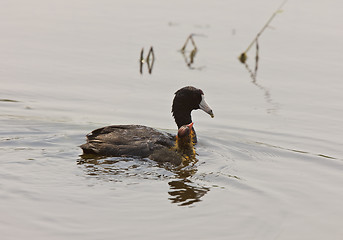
x,y
182,117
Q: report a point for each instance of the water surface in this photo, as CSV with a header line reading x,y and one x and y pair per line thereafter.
x,y
269,164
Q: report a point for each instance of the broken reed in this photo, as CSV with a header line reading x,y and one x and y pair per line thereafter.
x,y
243,57
150,53
149,62
190,38
189,60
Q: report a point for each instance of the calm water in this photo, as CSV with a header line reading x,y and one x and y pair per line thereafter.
x,y
269,164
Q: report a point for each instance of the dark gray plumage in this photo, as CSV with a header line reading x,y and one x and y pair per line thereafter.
x,y
142,141
126,140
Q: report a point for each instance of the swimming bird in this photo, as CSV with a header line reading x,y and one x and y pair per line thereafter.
x,y
182,152
143,141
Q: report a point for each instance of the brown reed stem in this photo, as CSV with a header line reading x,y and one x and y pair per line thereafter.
x,y
243,55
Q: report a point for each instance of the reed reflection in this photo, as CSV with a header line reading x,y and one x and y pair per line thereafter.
x,y
189,55
253,73
149,60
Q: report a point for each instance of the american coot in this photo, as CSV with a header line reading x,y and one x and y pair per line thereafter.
x,y
142,141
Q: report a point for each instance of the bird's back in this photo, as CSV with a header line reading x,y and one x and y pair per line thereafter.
x,y
126,140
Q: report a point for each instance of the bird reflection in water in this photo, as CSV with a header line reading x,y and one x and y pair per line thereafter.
x,y
183,191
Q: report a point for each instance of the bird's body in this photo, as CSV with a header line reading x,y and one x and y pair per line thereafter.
x,y
143,141
127,140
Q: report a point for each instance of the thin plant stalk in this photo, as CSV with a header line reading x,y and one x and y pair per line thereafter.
x,y
243,56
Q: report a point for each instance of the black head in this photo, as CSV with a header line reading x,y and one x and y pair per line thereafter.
x,y
185,101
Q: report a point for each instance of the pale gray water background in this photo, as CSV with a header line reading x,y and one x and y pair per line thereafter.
x,y
270,164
